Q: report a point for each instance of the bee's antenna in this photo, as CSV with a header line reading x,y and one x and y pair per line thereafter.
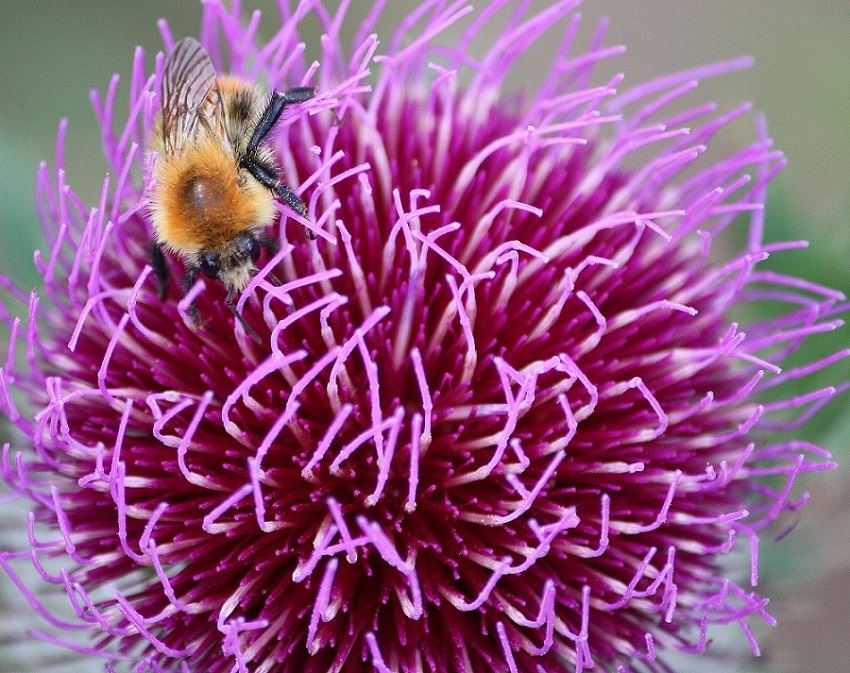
x,y
250,330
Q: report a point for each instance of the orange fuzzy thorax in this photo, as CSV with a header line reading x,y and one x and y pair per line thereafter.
x,y
203,200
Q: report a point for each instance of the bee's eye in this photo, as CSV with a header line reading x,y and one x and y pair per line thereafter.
x,y
248,246
209,265
254,250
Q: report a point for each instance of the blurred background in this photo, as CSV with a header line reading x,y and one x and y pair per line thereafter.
x,y
52,54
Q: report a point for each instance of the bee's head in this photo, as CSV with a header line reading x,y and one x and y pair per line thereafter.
x,y
235,264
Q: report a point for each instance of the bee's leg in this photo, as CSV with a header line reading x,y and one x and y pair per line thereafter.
x,y
269,177
278,102
232,306
291,199
160,270
188,282
270,243
272,246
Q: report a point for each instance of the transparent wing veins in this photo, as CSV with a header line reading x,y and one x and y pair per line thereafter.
x,y
187,80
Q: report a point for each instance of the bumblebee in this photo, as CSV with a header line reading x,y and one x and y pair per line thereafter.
x,y
215,179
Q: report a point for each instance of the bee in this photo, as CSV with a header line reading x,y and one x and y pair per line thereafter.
x,y
215,180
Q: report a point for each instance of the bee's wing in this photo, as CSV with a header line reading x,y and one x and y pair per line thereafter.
x,y
188,78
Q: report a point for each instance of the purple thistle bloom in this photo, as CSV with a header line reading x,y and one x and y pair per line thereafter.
x,y
500,418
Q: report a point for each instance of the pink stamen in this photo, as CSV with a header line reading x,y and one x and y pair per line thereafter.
x,y
330,435
320,608
210,520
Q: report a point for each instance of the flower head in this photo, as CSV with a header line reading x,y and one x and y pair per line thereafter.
x,y
499,418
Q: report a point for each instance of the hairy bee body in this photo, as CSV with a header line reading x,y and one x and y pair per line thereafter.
x,y
216,182
203,200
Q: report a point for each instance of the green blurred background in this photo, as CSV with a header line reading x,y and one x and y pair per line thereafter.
x,y
52,54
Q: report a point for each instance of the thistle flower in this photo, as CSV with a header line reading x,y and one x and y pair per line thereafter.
x,y
500,418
